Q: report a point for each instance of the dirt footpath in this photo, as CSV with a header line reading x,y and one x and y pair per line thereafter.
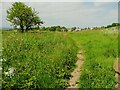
x,y
77,71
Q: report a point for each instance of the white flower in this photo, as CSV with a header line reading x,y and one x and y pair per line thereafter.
x,y
6,73
1,59
10,72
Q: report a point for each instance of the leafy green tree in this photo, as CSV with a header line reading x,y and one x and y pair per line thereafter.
x,y
23,16
73,28
58,29
43,29
64,29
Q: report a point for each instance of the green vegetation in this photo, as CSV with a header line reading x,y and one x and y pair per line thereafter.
x,y
54,28
23,16
113,25
46,59
37,60
100,50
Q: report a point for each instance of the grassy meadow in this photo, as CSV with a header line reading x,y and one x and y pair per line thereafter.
x,y
46,59
100,52
39,60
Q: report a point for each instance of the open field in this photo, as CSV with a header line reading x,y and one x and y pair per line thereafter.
x,y
46,59
39,60
100,50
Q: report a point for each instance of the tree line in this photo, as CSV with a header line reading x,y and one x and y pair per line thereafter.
x,y
54,28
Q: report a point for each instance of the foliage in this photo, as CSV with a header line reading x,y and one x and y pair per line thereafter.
x,y
23,16
54,28
113,25
46,59
37,60
73,28
100,50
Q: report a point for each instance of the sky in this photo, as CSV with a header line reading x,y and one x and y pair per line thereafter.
x,y
69,14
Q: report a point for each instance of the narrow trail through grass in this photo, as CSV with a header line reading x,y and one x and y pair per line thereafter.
x,y
100,52
77,70
47,59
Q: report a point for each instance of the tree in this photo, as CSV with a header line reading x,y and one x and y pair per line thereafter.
x,y
64,29
43,29
23,16
58,28
73,28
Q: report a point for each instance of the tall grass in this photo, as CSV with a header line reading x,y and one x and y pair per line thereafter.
x,y
37,60
100,50
46,59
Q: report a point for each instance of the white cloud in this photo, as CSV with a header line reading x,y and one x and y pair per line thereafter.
x,y
81,14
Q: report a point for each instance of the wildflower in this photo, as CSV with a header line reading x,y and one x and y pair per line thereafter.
x,y
1,59
10,72
6,73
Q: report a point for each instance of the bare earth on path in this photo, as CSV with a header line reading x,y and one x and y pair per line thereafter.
x,y
76,73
